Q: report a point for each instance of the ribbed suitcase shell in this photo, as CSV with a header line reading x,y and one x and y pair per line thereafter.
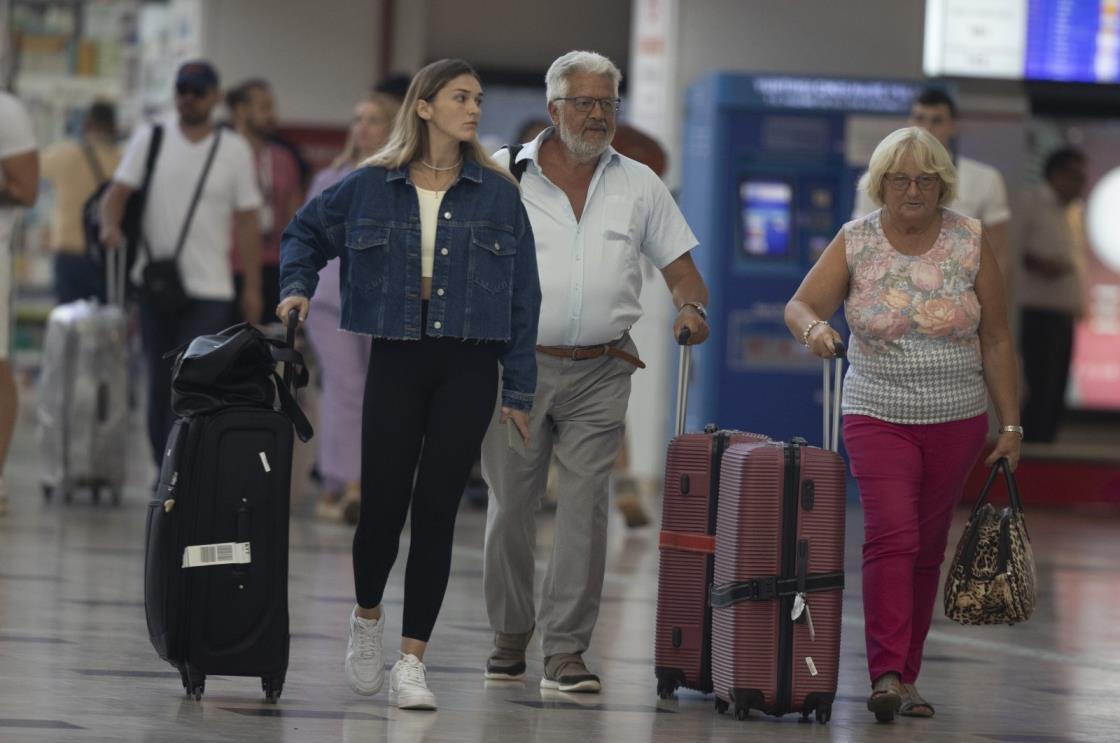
x,y
682,639
748,662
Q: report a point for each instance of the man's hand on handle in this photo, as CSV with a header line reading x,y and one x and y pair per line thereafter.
x,y
689,318
112,238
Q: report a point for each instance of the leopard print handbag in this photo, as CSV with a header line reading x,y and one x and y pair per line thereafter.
x,y
992,577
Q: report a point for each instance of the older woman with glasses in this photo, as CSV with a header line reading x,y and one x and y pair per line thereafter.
x,y
930,341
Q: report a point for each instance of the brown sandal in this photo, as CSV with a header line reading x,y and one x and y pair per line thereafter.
x,y
886,697
912,703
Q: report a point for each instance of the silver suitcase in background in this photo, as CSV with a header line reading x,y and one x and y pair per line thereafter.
x,y
83,393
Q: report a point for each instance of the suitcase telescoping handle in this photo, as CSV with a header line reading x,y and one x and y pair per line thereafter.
x,y
682,378
290,342
116,277
831,407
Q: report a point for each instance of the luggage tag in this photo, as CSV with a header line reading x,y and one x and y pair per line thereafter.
x,y
801,607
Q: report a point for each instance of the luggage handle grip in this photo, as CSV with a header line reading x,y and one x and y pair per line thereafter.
x,y
682,378
830,408
290,342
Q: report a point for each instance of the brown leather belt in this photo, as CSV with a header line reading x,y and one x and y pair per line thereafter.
x,y
586,353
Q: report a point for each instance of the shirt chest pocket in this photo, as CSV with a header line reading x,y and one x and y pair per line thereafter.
x,y
492,254
618,221
367,248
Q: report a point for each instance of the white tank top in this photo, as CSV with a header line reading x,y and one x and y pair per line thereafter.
x,y
429,218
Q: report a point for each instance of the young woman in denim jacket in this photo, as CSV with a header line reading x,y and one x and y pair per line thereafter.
x,y
438,265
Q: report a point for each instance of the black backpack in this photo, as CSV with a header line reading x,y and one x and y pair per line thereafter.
x,y
132,223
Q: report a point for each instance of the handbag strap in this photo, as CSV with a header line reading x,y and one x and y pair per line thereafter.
x,y
1003,466
195,199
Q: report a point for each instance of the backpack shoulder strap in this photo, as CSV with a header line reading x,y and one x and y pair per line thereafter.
x,y
516,169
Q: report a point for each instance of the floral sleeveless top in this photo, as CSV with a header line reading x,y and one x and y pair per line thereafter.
x,y
914,352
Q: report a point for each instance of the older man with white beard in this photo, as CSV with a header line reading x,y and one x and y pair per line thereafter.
x,y
594,213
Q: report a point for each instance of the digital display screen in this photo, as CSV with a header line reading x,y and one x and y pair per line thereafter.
x,y
1059,40
766,214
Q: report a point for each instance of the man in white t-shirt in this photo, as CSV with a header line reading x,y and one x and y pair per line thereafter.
x,y
980,190
229,201
19,187
594,214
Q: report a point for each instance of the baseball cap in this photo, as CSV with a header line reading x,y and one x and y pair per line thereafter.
x,y
199,73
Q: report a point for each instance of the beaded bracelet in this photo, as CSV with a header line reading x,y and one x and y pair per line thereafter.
x,y
809,329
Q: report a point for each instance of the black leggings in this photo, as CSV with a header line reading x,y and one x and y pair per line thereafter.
x,y
428,401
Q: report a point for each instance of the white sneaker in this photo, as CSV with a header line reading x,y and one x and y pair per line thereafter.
x,y
408,682
365,665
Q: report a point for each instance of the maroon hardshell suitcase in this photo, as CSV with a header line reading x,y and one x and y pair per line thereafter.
x,y
779,575
688,519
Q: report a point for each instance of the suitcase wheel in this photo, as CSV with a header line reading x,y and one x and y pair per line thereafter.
x,y
194,683
666,688
272,688
721,706
48,491
824,713
742,712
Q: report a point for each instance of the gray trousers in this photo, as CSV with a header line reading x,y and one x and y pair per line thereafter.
x,y
579,412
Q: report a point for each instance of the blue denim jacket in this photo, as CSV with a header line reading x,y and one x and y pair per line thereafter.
x,y
484,282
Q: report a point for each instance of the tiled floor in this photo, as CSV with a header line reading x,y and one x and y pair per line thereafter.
x,y
75,663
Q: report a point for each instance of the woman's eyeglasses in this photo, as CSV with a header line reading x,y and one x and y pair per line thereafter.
x,y
900,182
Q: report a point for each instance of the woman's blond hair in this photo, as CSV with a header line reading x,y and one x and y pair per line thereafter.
x,y
409,140
389,107
928,153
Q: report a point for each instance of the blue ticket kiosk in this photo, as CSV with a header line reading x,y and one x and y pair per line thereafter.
x,y
769,173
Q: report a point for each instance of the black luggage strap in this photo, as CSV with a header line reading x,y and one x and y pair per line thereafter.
x,y
772,587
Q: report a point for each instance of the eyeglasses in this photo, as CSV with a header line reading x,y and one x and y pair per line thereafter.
x,y
584,104
185,89
900,182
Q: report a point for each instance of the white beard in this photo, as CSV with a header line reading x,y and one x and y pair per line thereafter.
x,y
582,150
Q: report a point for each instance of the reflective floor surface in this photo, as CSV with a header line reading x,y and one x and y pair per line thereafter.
x,y
76,665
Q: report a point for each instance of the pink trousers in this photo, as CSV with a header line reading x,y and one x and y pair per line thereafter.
x,y
910,479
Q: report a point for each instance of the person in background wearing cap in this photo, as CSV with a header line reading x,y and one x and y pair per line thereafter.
x,y
228,202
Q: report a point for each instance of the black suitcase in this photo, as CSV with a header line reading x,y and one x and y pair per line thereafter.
x,y
216,561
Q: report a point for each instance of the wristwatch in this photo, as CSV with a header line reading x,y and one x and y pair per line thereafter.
x,y
1012,429
700,309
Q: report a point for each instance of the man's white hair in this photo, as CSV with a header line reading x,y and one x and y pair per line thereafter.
x,y
556,81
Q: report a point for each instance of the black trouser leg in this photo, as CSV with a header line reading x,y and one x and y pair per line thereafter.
x,y
1047,345
162,332
434,394
393,414
458,415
